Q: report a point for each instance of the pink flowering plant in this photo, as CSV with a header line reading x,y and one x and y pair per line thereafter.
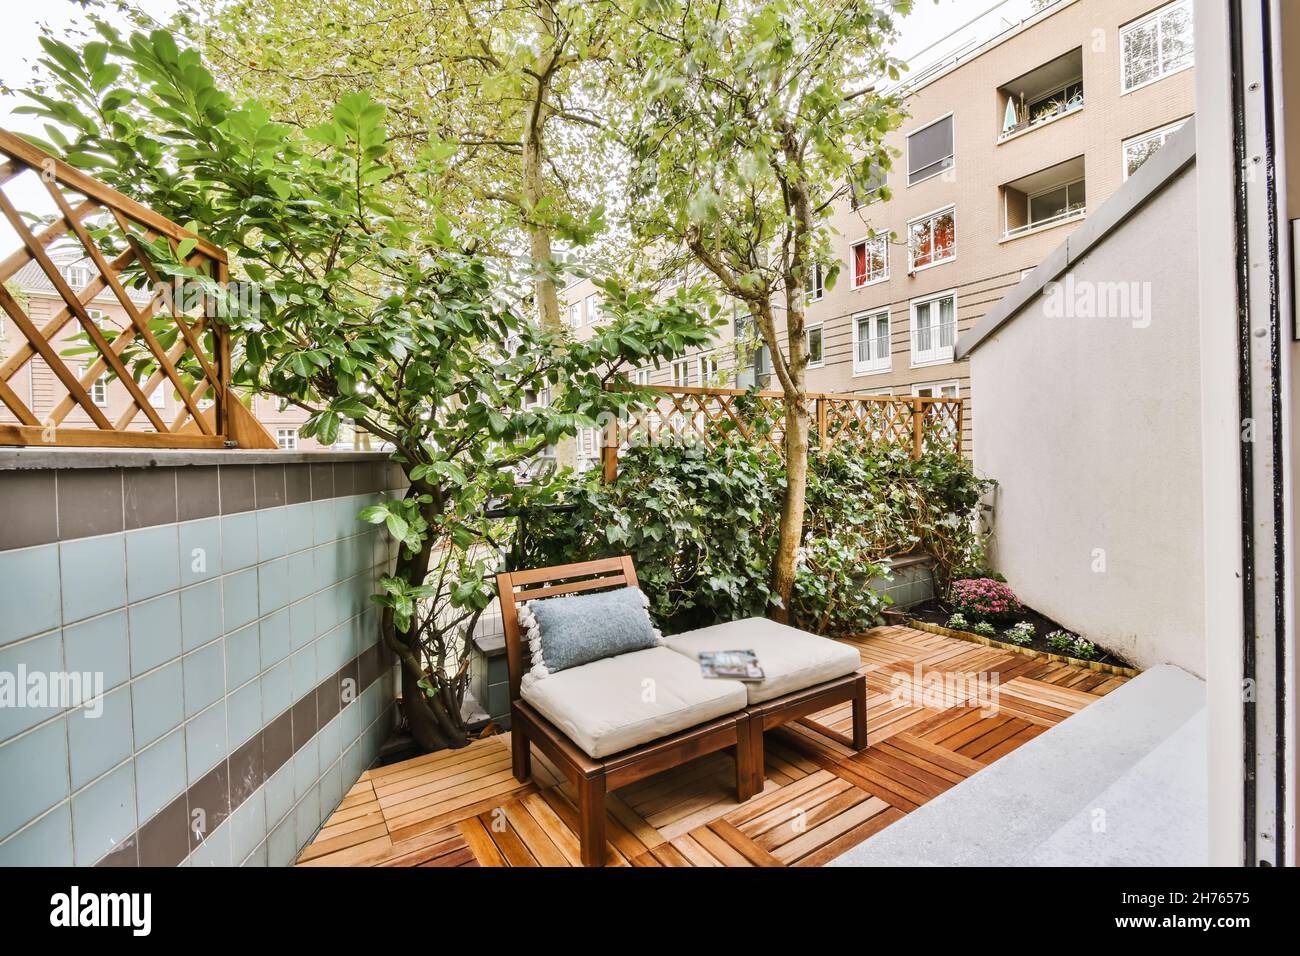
x,y
984,599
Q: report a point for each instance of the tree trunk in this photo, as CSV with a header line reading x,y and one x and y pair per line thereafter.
x,y
792,507
431,726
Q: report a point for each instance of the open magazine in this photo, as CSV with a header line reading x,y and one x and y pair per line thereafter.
x,y
732,665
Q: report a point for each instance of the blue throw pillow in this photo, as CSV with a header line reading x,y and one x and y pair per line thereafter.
x,y
565,632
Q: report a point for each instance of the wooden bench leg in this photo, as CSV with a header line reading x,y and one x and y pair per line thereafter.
x,y
591,819
860,713
746,777
521,755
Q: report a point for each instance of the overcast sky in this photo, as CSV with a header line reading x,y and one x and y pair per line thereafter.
x,y
923,40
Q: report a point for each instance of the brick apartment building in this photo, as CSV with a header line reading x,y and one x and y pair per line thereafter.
x,y
1007,146
37,385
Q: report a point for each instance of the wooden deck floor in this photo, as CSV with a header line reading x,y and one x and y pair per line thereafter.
x,y
464,808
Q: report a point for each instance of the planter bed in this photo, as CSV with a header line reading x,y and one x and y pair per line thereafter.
x,y
932,616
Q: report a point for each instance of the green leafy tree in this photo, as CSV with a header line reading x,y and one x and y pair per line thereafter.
x,y
749,120
370,312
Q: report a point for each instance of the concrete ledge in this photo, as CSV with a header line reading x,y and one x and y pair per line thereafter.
x,y
46,459
1112,762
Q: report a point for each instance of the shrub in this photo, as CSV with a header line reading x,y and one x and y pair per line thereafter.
x,y
1021,633
1072,645
984,628
958,622
984,599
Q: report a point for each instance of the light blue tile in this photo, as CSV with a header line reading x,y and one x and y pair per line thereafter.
x,y
200,550
160,774
306,768
270,534
329,654
29,592
244,712
238,541
96,744
103,815
47,842
331,740
248,825
346,522
152,562
205,678
157,703
201,615
298,531
243,656
281,845
322,519
258,857
351,723
272,586
215,850
97,565
304,671
331,788
33,774
302,574
205,742
239,597
307,817
327,561
277,692
279,794
155,632
275,637
30,665
99,646
302,624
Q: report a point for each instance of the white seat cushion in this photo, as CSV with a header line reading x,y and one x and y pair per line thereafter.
x,y
791,659
619,702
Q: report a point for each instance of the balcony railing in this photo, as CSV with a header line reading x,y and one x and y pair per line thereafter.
x,y
1074,212
1042,116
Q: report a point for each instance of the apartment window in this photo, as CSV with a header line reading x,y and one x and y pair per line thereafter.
x,y
870,261
588,445
76,276
1057,202
681,373
592,306
1156,46
287,438
937,390
871,342
871,189
158,397
575,315
641,376
707,369
813,335
929,150
934,328
815,285
1139,149
98,388
932,239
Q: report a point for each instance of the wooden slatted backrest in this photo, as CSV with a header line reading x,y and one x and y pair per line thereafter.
x,y
517,587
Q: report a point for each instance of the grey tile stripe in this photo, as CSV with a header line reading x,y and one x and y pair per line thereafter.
x,y
166,838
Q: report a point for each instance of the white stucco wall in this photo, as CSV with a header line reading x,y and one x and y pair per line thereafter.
x,y
1092,428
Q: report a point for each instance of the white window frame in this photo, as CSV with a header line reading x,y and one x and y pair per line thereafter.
x,y
874,365
1164,132
76,269
819,328
818,284
953,383
158,397
98,388
907,144
1051,220
641,376
591,306
681,373
938,355
853,266
575,314
929,216
286,439
1142,21
707,370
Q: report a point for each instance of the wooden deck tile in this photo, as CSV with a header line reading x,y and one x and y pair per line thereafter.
x,y
464,807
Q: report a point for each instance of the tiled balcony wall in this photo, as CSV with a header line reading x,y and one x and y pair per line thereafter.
x,y
224,599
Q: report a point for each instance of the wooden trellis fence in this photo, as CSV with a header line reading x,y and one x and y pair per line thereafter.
x,y
165,339
714,415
